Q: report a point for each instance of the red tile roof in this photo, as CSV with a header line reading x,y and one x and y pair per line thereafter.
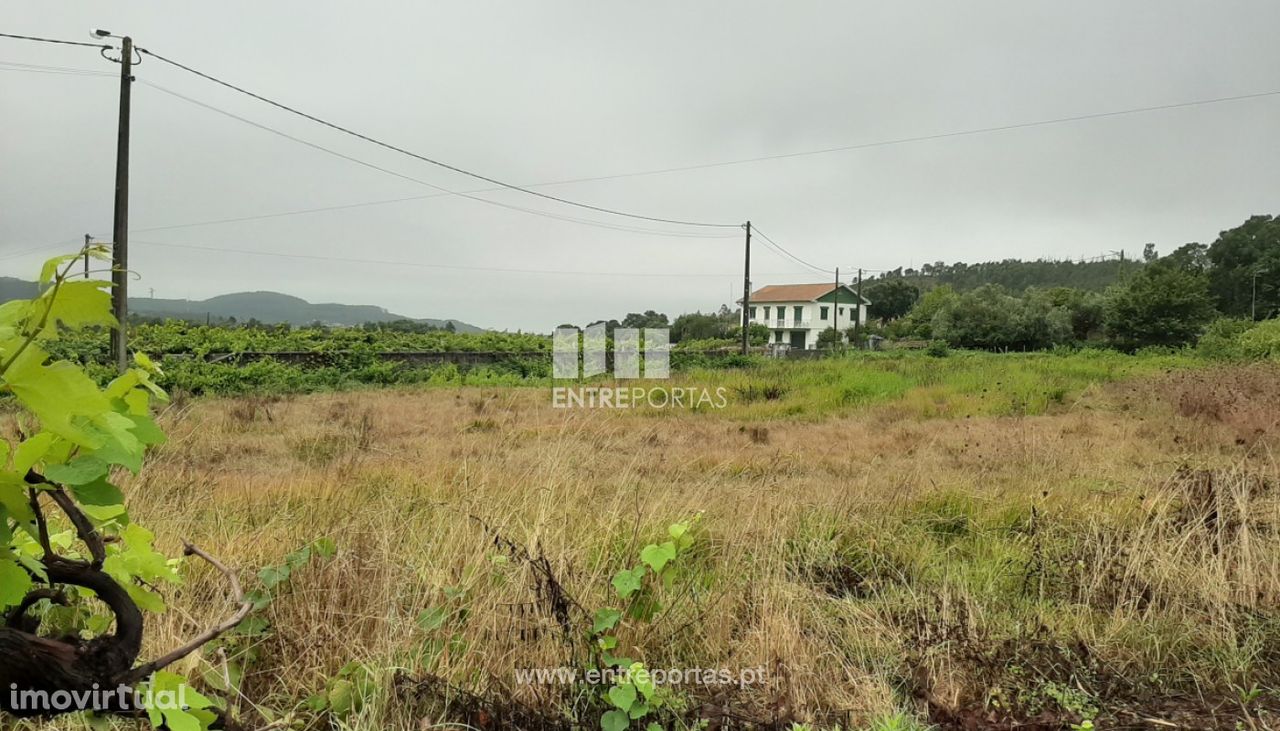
x,y
791,292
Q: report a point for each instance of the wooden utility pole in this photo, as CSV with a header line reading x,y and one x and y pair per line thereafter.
x,y
120,247
746,294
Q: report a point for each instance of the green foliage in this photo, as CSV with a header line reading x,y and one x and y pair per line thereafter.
x,y
648,318
238,649
988,318
632,696
1162,305
830,338
347,691
897,722
1016,275
757,334
890,298
1084,309
697,326
1221,339
179,337
75,433
1235,257
1192,258
1261,340
344,358
919,321
938,349
163,690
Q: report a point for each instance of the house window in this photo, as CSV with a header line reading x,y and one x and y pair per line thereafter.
x,y
778,336
753,313
766,313
842,311
822,313
799,312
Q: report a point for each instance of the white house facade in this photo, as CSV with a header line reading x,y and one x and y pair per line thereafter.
x,y
796,313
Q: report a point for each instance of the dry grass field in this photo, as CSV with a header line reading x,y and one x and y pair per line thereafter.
x,y
911,560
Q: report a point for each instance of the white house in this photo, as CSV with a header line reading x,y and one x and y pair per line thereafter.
x,y
796,313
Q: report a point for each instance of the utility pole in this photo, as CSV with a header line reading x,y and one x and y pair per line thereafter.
x,y
120,248
835,306
857,312
87,237
1253,299
746,293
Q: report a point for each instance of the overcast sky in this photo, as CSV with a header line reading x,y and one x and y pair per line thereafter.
x,y
534,92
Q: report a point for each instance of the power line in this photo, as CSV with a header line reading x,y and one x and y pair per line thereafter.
x,y
743,161
42,69
427,265
32,250
959,133
443,191
56,40
525,189
781,249
426,159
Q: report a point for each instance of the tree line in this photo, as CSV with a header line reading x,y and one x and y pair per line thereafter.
x,y
1129,303
1158,300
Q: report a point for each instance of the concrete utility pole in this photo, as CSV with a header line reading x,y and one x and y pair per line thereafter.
x,y
835,306
857,312
1253,298
120,247
746,293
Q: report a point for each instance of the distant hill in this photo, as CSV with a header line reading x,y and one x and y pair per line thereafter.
x,y
268,307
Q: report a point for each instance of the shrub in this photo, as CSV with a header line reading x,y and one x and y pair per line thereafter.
x,y
830,338
988,318
1221,340
1162,305
1261,341
919,321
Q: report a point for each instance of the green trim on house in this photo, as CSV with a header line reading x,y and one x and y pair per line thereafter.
x,y
848,296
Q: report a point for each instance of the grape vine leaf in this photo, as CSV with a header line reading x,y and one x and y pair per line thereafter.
x,y
622,696
615,721
605,620
627,581
176,705
658,556
14,583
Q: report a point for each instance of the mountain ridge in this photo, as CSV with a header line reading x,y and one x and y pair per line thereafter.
x,y
263,305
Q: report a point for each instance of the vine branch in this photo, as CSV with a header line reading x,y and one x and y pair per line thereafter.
x,y
213,633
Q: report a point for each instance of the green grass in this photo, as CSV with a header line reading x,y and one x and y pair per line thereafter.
x,y
963,384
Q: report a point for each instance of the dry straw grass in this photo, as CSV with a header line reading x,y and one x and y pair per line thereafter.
x,y
1124,544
